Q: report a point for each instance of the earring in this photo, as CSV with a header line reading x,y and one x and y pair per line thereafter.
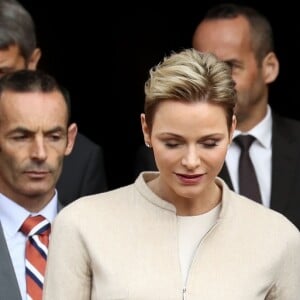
x,y
147,145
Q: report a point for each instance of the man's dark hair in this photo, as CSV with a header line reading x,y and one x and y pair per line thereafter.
x,y
260,28
33,81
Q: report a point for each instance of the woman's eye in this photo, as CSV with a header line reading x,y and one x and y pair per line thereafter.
x,y
171,145
210,144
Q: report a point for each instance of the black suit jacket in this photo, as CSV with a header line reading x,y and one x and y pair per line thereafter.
x,y
83,171
285,181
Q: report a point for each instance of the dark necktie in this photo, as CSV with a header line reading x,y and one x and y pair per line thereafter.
x,y
248,184
37,229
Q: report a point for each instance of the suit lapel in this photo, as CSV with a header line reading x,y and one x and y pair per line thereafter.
x,y
9,288
59,206
284,161
224,174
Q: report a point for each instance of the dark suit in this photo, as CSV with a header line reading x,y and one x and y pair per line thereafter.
x,y
285,190
9,287
83,174
83,171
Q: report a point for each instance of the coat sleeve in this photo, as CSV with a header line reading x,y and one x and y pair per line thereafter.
x,y
288,282
68,275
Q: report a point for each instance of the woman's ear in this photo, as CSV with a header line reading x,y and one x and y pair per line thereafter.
x,y
146,131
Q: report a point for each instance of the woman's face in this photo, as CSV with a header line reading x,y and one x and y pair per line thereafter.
x,y
189,142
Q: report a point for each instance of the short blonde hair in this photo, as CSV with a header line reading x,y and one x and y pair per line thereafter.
x,y
190,76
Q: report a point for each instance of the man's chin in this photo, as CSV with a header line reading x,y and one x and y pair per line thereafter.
x,y
40,191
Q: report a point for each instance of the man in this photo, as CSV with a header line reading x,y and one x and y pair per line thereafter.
x,y
243,38
35,135
84,171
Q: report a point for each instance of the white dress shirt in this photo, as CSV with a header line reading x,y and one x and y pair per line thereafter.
x,y
260,153
12,217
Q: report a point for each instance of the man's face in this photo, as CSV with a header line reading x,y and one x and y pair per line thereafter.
x,y
11,60
34,138
230,40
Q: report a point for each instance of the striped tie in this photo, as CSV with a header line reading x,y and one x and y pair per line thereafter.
x,y
37,229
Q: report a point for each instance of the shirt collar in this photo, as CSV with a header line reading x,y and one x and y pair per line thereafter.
x,y
12,215
262,131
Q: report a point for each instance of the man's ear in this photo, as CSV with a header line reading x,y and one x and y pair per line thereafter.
x,y
34,59
270,67
72,133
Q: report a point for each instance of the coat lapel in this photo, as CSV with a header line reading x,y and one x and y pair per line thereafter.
x,y
9,288
285,162
224,174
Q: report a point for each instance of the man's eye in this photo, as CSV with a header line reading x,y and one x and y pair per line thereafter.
x,y
19,137
55,137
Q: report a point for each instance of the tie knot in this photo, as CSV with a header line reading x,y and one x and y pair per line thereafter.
x,y
37,225
244,141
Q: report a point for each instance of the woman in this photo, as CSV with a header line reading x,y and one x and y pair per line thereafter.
x,y
179,233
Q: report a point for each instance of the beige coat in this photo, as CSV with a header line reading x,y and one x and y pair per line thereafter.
x,y
123,245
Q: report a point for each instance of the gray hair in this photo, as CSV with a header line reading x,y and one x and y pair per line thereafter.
x,y
16,28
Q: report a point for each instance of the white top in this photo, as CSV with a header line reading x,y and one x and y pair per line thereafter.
x,y
191,230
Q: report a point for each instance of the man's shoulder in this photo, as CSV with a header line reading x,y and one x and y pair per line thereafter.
x,y
83,141
84,148
286,128
280,120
